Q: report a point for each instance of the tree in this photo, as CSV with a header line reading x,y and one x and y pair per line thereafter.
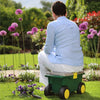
x,y
78,8
46,6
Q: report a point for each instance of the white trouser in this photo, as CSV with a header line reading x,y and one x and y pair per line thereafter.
x,y
46,66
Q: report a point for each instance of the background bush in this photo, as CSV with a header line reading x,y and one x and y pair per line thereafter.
x,y
9,49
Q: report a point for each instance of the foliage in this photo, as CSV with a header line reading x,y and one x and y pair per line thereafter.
x,y
9,49
90,46
48,14
32,17
92,92
79,8
46,6
92,76
26,67
93,66
75,8
38,40
27,76
9,78
5,67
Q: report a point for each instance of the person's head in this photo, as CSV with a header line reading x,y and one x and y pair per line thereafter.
x,y
58,9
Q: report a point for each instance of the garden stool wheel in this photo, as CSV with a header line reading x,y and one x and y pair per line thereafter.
x,y
64,93
81,88
47,90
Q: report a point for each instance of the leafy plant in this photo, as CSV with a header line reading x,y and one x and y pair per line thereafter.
x,y
93,66
26,76
92,76
25,67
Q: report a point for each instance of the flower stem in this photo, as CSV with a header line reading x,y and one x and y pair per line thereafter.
x,y
4,51
23,43
95,49
13,56
18,51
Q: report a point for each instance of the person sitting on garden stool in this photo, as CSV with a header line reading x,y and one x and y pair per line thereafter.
x,y
62,51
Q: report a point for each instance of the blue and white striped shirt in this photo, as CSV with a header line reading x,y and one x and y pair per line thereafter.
x,y
63,42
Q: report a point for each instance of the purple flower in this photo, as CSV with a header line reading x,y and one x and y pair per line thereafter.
x,y
29,85
98,34
82,32
90,36
15,34
38,88
18,11
24,92
13,92
19,86
16,82
83,26
3,33
14,24
86,23
91,29
94,32
34,29
30,80
41,29
34,85
30,32
11,28
20,19
9,75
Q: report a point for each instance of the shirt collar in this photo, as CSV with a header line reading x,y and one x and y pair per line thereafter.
x,y
61,17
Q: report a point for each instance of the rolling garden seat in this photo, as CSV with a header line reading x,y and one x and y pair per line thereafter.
x,y
64,84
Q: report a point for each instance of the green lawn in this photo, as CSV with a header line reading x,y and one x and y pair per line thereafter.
x,y
19,59
92,92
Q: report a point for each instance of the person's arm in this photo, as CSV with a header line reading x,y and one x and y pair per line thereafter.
x,y
49,39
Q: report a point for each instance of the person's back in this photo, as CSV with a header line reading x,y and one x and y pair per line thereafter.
x,y
62,51
67,43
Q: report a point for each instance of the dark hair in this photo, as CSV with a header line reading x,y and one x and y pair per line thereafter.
x,y
59,8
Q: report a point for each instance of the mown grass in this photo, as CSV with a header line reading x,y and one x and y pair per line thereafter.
x,y
18,59
32,60
92,92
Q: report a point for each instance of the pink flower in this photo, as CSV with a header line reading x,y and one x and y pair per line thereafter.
x,y
14,24
90,36
91,29
30,32
43,38
41,29
11,28
45,32
94,32
34,29
18,11
3,33
15,34
20,19
86,23
83,26
98,34
82,32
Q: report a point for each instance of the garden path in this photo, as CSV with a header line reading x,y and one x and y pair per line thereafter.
x,y
17,72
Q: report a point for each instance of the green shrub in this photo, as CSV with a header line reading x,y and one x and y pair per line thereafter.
x,y
9,49
48,14
38,40
92,76
26,76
